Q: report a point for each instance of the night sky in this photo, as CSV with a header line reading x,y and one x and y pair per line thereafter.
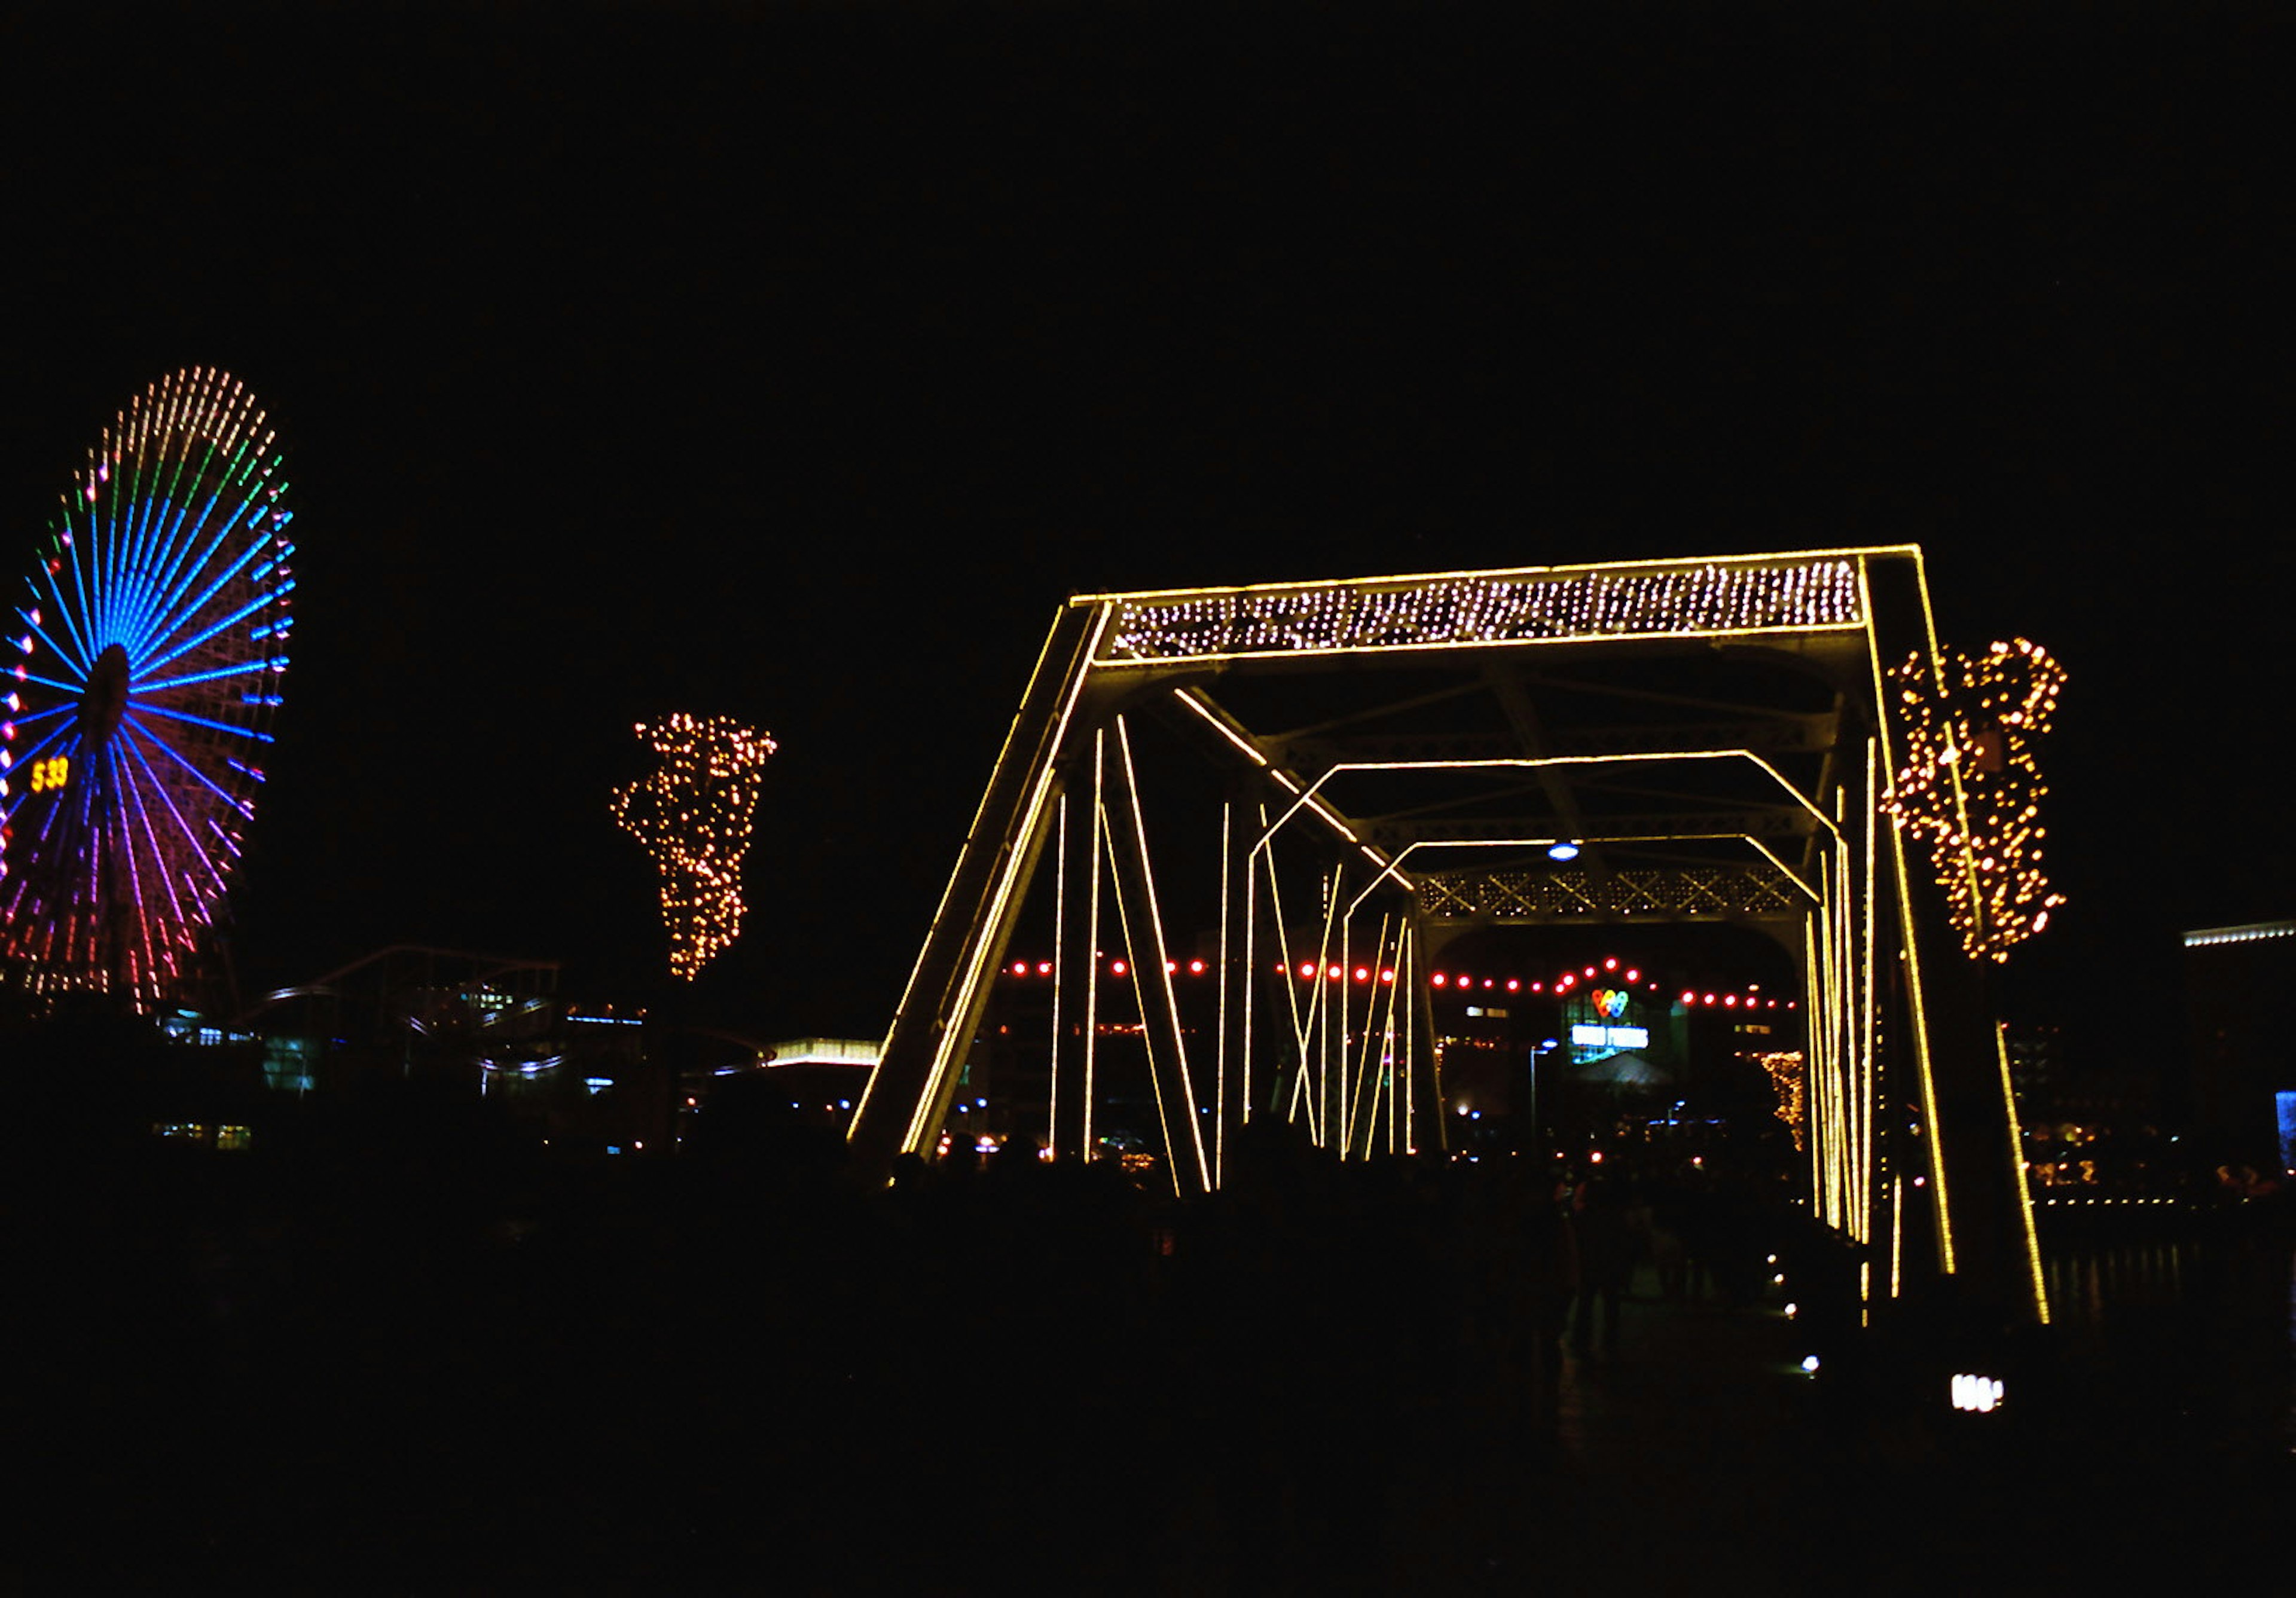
x,y
795,363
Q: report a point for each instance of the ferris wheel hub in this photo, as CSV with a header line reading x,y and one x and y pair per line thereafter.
x,y
105,699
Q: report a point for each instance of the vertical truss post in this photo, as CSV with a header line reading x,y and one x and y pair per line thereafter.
x,y
1429,1131
1076,1001
1241,961
1150,961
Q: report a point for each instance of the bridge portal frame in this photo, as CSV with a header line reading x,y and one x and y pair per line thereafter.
x,y
1897,1014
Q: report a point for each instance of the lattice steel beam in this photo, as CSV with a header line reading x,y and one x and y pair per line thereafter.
x,y
1758,892
1766,822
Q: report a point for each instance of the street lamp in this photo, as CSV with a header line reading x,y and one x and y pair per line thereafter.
x,y
1538,1053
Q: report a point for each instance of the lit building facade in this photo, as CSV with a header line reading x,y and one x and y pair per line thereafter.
x,y
2243,1071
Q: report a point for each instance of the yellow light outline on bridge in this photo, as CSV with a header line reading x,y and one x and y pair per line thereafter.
x,y
1416,579
976,969
2017,1173
1538,762
1792,561
1915,997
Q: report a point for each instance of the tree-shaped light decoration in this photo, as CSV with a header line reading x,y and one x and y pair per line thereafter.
x,y
1972,786
692,815
1789,1081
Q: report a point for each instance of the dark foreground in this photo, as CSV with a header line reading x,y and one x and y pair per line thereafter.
x,y
439,1365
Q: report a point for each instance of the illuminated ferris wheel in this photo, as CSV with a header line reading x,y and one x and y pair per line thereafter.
x,y
141,672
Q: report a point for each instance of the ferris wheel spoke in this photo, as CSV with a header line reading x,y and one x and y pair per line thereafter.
x,y
72,620
159,574
189,833
255,733
165,618
40,716
118,565
70,617
176,541
237,616
71,688
158,855
248,668
100,542
127,518
169,498
41,633
70,545
239,805
178,578
128,853
176,437
159,615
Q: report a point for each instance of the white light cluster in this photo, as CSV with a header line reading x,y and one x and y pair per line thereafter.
x,y
1601,602
1977,1395
1972,786
2215,934
693,817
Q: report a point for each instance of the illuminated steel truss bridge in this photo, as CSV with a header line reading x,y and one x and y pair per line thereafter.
x,y
1716,737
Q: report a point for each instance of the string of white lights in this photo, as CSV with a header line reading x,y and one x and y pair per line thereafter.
x,y
1601,602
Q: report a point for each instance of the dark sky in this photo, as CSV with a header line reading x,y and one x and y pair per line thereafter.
x,y
795,363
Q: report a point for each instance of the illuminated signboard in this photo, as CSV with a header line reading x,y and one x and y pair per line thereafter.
x,y
1585,1036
